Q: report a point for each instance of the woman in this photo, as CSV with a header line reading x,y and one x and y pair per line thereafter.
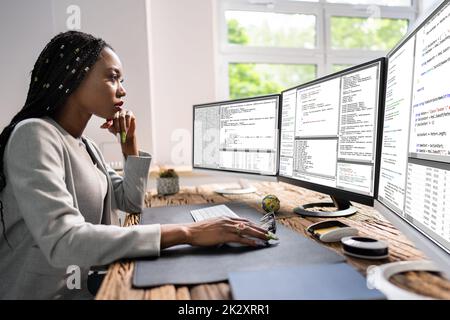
x,y
57,195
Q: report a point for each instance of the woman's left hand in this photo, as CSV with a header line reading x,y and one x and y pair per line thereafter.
x,y
124,125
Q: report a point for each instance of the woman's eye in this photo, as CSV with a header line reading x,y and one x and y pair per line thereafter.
x,y
116,77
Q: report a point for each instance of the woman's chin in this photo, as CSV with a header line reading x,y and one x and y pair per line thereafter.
x,y
108,116
105,117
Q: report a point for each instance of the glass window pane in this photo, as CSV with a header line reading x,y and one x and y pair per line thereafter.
x,y
402,3
254,79
339,67
267,29
363,33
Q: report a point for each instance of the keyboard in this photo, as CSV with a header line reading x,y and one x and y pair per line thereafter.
x,y
213,212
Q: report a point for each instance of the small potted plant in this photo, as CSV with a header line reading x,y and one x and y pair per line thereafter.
x,y
167,182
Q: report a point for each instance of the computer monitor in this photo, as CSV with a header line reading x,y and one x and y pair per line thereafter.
x,y
237,137
328,139
414,184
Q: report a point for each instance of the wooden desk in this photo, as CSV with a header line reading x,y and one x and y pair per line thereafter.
x,y
117,283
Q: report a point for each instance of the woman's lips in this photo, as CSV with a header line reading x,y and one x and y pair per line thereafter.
x,y
118,106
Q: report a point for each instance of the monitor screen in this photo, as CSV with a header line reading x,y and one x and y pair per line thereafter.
x,y
415,157
238,135
328,139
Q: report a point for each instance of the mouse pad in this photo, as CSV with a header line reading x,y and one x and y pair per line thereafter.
x,y
184,264
337,281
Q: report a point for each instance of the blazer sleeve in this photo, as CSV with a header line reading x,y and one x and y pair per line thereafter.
x,y
34,166
129,190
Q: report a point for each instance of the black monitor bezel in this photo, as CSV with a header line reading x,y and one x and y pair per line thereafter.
x,y
415,231
339,193
262,97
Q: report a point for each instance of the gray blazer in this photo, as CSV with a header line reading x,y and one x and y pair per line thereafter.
x,y
45,226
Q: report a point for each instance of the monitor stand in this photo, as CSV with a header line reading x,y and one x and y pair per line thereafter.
x,y
344,208
246,187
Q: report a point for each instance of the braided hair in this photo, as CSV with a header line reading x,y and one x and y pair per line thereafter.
x,y
58,71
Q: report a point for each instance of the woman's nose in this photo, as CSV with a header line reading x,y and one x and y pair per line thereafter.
x,y
122,92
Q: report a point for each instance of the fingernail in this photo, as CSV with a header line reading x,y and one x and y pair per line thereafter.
x,y
123,135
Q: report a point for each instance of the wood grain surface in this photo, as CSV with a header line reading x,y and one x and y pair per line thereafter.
x,y
117,283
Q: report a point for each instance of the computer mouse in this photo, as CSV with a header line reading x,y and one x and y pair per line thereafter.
x,y
259,242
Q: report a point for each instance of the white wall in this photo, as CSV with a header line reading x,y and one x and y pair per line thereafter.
x,y
31,24
182,65
25,28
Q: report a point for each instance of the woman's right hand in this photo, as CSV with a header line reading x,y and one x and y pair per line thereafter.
x,y
217,231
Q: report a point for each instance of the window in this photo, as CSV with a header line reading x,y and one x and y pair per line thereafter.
x,y
363,33
268,29
266,46
255,79
339,67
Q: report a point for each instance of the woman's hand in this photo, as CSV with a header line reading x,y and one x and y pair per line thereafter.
x,y
124,124
216,231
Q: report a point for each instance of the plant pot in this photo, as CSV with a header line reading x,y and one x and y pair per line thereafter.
x,y
167,185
